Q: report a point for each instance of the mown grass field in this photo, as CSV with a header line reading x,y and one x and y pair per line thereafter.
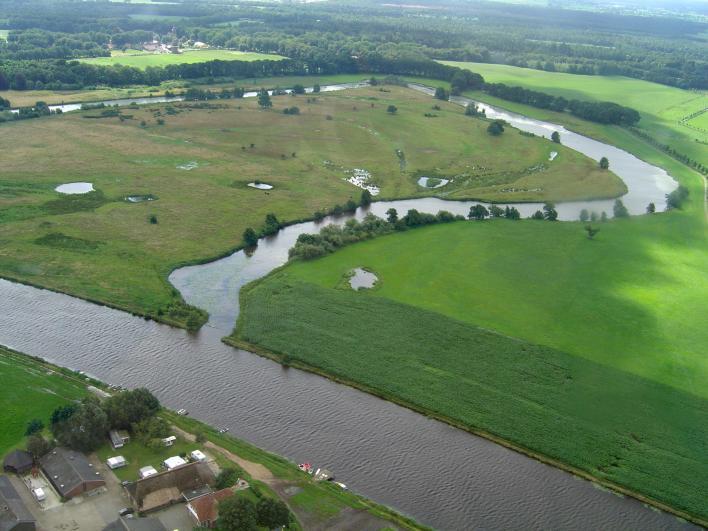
x,y
662,107
103,248
143,60
29,391
619,427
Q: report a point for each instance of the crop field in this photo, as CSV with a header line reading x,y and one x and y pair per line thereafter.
x,y
29,391
662,107
143,60
614,425
198,163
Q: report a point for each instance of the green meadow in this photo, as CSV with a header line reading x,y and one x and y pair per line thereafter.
x,y
604,422
588,352
30,391
198,164
143,60
662,107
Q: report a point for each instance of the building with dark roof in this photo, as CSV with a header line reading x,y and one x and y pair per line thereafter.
x,y
14,515
70,472
125,523
18,461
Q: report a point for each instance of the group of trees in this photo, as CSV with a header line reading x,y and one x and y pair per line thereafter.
x,y
333,237
83,426
237,513
271,225
604,112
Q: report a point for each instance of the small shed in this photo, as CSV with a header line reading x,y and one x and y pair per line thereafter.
x,y
198,455
173,462
116,462
146,472
18,461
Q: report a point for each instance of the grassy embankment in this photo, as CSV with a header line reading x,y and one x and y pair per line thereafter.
x,y
102,248
33,389
143,59
617,391
662,107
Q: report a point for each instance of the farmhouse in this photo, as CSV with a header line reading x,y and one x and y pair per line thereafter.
x,y
163,489
205,509
18,461
70,472
14,516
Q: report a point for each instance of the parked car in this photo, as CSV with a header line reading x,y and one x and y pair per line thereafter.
x,y
125,511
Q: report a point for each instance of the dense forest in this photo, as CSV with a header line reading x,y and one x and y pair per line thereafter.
x,y
342,37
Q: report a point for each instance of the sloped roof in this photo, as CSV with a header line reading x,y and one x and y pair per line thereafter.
x,y
12,510
207,507
18,460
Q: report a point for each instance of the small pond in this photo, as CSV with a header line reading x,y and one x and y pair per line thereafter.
x,y
261,186
74,188
362,279
140,198
432,182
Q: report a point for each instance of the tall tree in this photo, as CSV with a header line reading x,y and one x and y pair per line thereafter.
x,y
555,136
264,100
237,514
604,163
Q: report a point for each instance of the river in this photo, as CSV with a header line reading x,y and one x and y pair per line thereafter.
x,y
441,476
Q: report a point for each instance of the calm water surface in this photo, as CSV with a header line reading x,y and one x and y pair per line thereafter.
x,y
440,475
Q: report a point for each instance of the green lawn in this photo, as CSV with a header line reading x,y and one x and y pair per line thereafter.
x,y
138,455
143,60
30,391
3,34
108,251
662,107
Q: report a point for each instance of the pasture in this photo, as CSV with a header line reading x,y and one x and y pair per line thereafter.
x,y
198,163
608,423
662,107
143,60
30,391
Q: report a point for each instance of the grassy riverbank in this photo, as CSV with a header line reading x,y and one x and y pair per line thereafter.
x,y
663,108
33,389
198,164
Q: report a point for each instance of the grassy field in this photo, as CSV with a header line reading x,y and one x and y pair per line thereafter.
x,y
620,318
138,455
662,107
103,248
30,391
611,424
21,98
3,34
143,60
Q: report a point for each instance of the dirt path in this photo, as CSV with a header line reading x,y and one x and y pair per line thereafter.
x,y
255,470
